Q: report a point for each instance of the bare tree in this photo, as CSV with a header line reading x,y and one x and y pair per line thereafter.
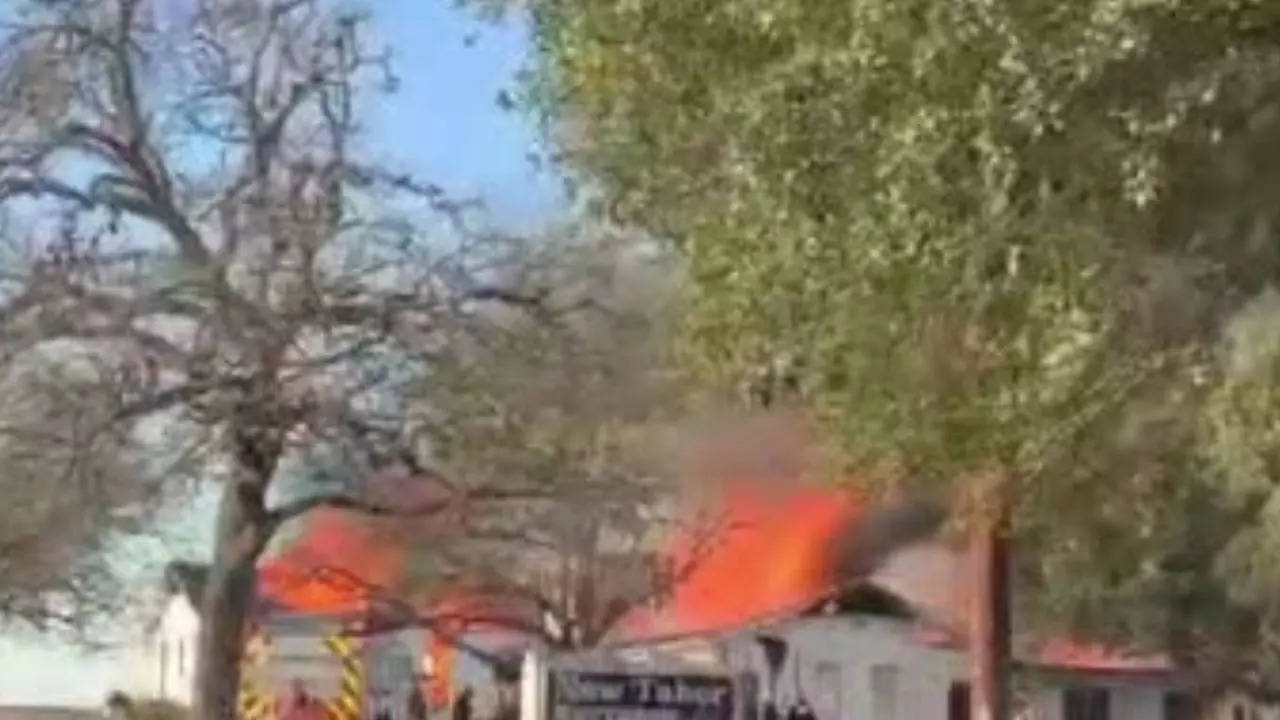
x,y
249,294
584,402
66,495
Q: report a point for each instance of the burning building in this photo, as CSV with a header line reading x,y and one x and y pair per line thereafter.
x,y
337,616
853,612
816,598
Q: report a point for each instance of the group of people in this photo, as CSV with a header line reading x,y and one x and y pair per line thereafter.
x,y
799,710
419,710
303,706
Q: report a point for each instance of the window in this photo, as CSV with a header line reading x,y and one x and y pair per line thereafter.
x,y
827,703
958,701
1085,703
884,692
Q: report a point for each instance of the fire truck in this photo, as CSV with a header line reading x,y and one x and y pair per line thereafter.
x,y
352,677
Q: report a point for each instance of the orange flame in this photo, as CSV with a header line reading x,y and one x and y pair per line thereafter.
x,y
441,684
343,563
334,568
775,554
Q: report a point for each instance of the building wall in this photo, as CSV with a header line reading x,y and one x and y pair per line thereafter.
x,y
851,667
1137,702
138,674
173,652
1127,702
393,661
859,667
161,665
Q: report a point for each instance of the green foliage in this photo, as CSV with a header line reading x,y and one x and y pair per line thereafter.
x,y
1241,421
978,235
846,203
1138,559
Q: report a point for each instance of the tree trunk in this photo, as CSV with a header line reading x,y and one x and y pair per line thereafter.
x,y
228,598
989,621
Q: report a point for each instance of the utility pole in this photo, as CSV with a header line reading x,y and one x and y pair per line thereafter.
x,y
989,620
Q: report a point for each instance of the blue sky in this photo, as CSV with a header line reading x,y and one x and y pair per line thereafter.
x,y
444,121
445,125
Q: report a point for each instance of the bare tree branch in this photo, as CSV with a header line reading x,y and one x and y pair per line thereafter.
x,y
347,502
405,614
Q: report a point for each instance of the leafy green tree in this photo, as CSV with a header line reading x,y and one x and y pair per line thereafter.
x,y
1144,571
970,234
1183,563
1240,423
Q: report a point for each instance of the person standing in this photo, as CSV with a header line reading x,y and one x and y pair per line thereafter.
x,y
417,704
770,711
793,711
119,706
301,705
462,706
